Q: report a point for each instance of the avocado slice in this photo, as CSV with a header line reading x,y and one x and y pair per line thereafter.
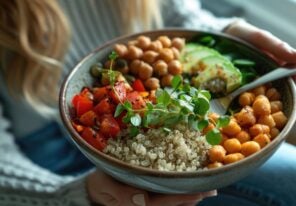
x,y
218,67
209,67
192,54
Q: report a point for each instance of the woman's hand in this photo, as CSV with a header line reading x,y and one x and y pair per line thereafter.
x,y
282,52
105,190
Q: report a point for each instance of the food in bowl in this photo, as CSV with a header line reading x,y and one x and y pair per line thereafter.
x,y
149,106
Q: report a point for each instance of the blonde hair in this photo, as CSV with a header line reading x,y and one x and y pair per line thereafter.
x,y
34,38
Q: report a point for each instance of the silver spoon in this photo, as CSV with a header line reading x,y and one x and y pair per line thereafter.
x,y
220,105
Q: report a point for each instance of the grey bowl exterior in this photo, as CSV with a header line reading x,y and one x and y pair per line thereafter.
x,y
173,182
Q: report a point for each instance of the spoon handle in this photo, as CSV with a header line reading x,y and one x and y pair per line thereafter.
x,y
268,77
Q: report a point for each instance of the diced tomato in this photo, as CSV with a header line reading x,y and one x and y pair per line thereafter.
x,y
88,118
136,100
75,100
100,93
120,94
109,126
104,107
95,139
138,86
82,104
121,124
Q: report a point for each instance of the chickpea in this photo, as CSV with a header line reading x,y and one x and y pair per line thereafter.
x,y
156,46
152,96
214,165
259,90
149,56
134,52
243,136
152,83
232,128
274,132
232,145
250,147
231,158
280,119
246,116
261,106
273,95
175,52
246,98
143,42
259,129
276,106
145,71
135,66
266,120
132,42
166,80
178,43
224,138
262,140
121,50
175,67
213,117
166,54
165,41
160,68
208,128
217,153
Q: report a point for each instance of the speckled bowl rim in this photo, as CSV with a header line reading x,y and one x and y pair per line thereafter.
x,y
171,174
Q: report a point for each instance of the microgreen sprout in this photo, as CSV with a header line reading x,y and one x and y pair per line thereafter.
x,y
180,104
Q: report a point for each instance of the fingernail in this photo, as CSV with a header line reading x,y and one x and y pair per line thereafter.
x,y
210,193
139,199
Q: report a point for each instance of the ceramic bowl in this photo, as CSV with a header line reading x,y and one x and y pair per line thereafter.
x,y
175,182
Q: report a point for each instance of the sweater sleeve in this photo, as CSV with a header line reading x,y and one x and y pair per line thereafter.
x,y
23,183
189,14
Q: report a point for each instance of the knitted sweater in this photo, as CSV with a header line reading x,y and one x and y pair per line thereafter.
x,y
23,183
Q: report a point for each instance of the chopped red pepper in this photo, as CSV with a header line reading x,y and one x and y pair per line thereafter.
x,y
95,139
104,107
82,104
100,93
109,126
119,93
136,100
138,86
88,118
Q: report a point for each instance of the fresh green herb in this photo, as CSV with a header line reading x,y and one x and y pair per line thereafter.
x,y
111,73
243,62
181,103
136,120
223,121
207,40
214,137
133,131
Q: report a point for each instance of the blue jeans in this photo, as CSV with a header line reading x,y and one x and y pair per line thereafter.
x,y
273,184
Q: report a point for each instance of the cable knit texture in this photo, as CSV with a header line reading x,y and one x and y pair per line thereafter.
x,y
23,183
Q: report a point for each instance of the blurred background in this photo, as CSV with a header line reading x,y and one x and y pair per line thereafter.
x,y
276,16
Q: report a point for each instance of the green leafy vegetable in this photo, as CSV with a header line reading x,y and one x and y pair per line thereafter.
x,y
214,137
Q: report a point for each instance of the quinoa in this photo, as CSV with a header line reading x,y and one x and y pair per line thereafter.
x,y
180,149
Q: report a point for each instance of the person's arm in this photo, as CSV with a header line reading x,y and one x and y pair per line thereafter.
x,y
264,40
23,183
189,14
